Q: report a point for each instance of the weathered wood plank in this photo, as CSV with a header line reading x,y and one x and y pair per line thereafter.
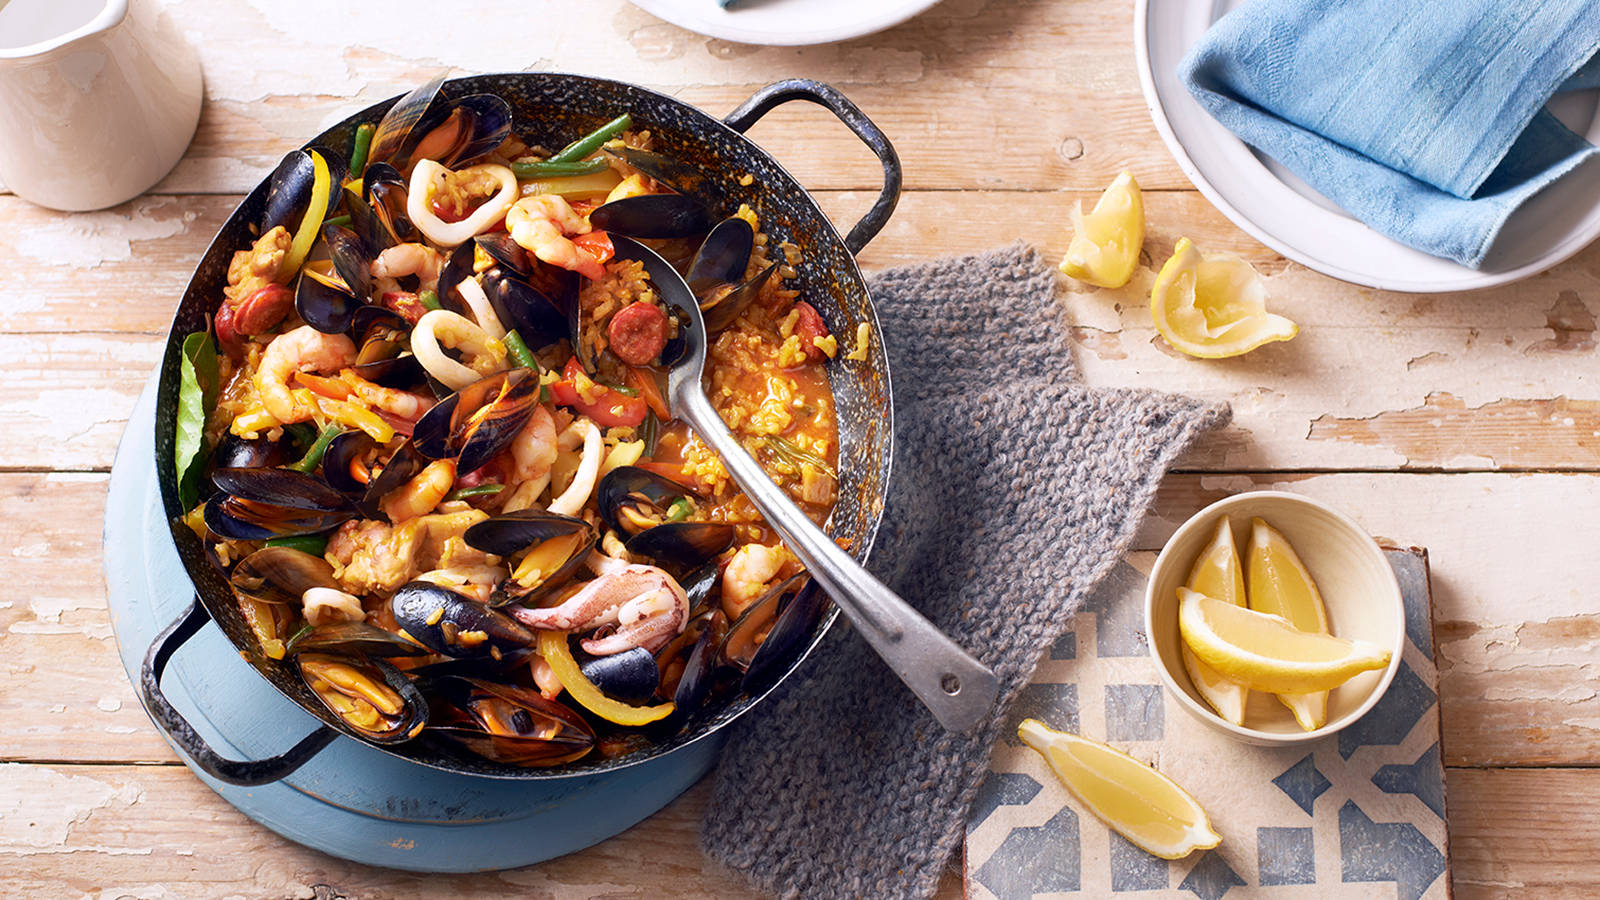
x,y
1517,637
156,833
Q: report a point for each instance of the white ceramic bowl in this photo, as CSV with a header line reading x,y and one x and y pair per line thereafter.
x,y
1358,588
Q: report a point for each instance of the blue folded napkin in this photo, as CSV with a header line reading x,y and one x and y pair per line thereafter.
x,y
1424,120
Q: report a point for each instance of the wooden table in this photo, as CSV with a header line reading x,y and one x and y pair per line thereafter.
x,y
1469,423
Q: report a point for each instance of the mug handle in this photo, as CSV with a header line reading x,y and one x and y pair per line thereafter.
x,y
247,773
829,97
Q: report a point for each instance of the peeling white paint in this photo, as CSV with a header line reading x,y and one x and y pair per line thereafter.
x,y
86,240
108,704
42,806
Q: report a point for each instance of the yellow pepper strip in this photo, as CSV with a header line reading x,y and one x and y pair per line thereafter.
x,y
553,647
346,413
311,224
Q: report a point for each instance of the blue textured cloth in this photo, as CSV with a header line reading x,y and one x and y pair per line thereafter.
x,y
1424,120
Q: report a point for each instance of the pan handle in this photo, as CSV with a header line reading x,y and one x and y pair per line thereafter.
x,y
826,95
241,772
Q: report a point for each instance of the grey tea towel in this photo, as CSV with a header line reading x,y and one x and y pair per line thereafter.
x,y
1015,489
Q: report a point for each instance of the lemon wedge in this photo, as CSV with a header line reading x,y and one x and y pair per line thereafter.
x,y
1215,306
1265,652
1280,585
1139,803
1217,573
1105,243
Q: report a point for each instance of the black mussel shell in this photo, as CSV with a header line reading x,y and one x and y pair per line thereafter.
x,y
234,452
722,308
698,585
670,171
344,458
538,319
628,493
371,322
281,487
238,519
747,633
280,575
653,216
383,337
369,696
355,639
458,266
472,667
404,463
682,543
289,191
401,371
386,216
505,251
392,139
456,625
787,638
485,124
460,427
351,259
509,534
701,666
723,256
631,676
507,724
324,301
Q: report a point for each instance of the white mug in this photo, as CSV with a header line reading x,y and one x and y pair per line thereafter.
x,y
98,100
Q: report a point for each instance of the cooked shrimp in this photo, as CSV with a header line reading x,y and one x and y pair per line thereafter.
x,y
540,225
476,582
429,179
749,574
304,349
486,355
330,606
422,493
545,679
533,452
409,259
402,404
577,493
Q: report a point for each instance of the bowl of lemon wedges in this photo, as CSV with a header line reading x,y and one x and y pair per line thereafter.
x,y
1274,618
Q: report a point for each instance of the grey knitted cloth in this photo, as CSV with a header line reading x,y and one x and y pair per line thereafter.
x,y
1015,489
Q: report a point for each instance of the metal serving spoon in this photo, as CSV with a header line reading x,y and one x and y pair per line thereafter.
x,y
955,687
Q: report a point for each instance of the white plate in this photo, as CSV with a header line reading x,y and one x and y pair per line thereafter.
x,y
785,22
1284,213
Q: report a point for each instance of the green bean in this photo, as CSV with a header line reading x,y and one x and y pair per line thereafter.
x,y
313,457
302,434
313,544
650,432
337,220
519,352
360,148
679,510
430,299
591,142
624,390
475,491
549,168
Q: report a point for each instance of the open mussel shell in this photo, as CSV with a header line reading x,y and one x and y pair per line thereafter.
x,y
699,585
702,671
653,216
507,723
234,452
260,504
669,171
351,259
682,543
384,357
381,220
344,463
458,267
475,423
355,639
392,138
463,129
786,639
723,256
283,487
456,625
539,319
404,463
288,191
281,575
323,300
747,634
369,696
720,308
557,544
505,251
631,676
632,500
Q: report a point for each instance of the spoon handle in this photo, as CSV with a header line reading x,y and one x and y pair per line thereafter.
x,y
955,687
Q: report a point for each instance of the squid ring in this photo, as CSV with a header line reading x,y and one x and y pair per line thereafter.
x,y
487,354
428,176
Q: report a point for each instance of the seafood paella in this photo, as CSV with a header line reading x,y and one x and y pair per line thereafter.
x,y
426,439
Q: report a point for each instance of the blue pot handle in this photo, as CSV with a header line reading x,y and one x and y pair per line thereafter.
x,y
825,95
241,772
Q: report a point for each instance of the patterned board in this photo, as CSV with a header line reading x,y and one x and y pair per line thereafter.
x,y
1360,814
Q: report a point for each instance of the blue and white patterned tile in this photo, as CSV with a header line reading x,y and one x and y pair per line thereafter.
x,y
1358,815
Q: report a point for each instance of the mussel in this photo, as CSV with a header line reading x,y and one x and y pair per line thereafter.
x,y
653,216
787,638
384,357
540,319
548,549
631,676
369,696
397,470
649,510
345,463
475,423
280,575
355,639
234,452
381,220
393,134
691,670
330,291
507,723
723,256
290,186
455,625
259,504
721,306
451,132
754,627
